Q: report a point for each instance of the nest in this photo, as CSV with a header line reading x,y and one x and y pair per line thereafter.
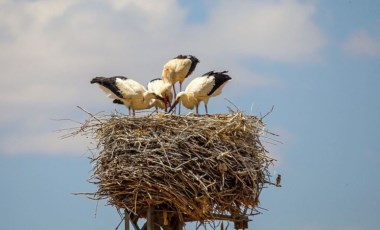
x,y
197,167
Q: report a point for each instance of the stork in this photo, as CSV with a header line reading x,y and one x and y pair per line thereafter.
x,y
126,91
178,69
163,89
202,88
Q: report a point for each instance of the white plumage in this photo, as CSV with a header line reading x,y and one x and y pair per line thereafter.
x,y
126,91
201,89
179,68
163,89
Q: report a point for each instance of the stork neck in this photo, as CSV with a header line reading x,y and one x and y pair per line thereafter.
x,y
188,100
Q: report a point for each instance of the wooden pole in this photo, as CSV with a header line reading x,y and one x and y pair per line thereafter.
x,y
126,219
149,219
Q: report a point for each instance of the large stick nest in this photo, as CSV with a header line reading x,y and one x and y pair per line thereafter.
x,y
198,167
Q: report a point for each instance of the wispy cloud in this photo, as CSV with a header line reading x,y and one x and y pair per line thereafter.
x,y
274,30
51,49
362,43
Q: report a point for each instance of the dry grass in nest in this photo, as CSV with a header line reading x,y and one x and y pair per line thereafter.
x,y
197,167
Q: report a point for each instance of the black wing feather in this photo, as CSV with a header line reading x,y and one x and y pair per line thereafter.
x,y
109,83
156,79
220,79
181,57
117,101
194,62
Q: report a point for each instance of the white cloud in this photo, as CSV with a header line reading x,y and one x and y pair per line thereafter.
x,y
51,49
275,30
363,44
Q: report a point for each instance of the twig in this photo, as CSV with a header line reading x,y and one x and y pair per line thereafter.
x,y
88,113
237,109
270,111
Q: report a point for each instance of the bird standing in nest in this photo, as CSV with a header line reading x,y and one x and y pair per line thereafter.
x,y
202,88
178,69
159,87
127,92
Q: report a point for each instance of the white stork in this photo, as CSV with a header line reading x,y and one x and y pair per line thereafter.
x,y
163,89
201,89
126,91
179,68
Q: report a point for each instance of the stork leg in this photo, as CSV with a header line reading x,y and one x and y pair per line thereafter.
x,y
196,109
166,103
206,108
179,105
175,94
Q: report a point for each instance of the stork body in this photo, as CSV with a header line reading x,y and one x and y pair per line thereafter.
x,y
178,69
202,89
163,89
126,91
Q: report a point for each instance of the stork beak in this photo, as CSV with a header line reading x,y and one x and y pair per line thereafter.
x,y
173,106
167,99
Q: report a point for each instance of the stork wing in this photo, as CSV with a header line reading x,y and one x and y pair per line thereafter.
x,y
159,87
108,85
155,85
201,86
208,85
220,78
130,88
176,70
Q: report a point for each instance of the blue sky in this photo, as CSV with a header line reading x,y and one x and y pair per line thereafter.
x,y
316,62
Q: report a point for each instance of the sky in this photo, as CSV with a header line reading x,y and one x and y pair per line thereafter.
x,y
316,62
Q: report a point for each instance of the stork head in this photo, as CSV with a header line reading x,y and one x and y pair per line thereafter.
x,y
178,99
